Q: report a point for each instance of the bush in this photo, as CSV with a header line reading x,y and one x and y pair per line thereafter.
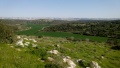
x,y
40,36
40,52
83,63
6,34
116,47
114,43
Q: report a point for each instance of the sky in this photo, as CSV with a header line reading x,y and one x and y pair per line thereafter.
x,y
60,8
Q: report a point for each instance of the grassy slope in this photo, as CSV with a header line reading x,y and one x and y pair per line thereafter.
x,y
88,51
35,28
11,58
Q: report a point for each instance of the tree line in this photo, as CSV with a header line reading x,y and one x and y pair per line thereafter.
x,y
93,28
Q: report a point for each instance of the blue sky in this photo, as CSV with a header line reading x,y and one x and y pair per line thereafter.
x,y
60,8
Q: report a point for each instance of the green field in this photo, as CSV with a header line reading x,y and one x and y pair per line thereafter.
x,y
35,31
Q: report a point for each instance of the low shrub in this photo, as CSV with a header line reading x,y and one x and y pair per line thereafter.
x,y
40,52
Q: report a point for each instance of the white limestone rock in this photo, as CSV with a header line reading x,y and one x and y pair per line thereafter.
x,y
94,65
34,45
20,43
25,38
33,40
102,57
53,52
79,60
26,43
69,62
12,46
18,37
50,59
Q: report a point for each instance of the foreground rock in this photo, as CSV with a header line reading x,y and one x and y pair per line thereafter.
x,y
53,52
69,62
94,65
50,59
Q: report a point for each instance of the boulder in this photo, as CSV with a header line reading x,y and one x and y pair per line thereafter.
x,y
25,39
53,52
69,62
34,45
33,40
58,46
102,57
94,65
26,43
18,37
20,43
50,59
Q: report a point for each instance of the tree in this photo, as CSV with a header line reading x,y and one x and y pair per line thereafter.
x,y
6,34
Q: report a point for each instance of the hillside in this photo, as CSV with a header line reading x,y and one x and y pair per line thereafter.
x,y
50,52
37,45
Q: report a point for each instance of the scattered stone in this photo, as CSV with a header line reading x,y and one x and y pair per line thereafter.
x,y
68,57
26,43
20,43
18,37
102,57
25,39
57,46
52,45
34,45
12,46
53,52
50,59
33,40
79,60
94,65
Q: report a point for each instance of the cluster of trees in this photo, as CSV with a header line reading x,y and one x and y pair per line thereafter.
x,y
38,21
92,28
110,29
6,33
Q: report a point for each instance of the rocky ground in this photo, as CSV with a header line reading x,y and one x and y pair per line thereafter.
x,y
50,52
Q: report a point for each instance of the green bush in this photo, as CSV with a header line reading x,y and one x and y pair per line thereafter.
x,y
6,34
40,52
83,63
